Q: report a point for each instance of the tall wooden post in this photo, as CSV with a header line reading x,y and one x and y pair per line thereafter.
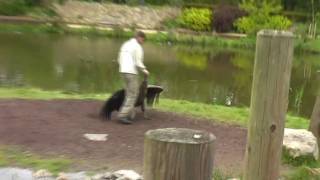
x,y
178,154
315,119
269,102
314,126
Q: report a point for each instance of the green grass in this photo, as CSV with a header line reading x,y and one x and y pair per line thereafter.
x,y
220,175
13,156
29,28
232,115
300,168
298,161
310,45
33,93
302,173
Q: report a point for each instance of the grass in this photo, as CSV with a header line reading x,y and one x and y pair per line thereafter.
x,y
303,173
29,28
300,168
232,115
312,46
298,161
220,175
10,156
33,93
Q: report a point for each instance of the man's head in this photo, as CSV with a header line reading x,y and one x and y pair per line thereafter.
x,y
140,37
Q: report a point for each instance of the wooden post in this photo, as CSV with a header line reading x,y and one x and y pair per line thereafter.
x,y
315,119
269,102
178,154
314,126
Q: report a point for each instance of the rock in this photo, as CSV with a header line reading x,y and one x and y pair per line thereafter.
x,y
300,142
98,177
42,173
15,174
73,176
105,176
127,175
113,14
96,137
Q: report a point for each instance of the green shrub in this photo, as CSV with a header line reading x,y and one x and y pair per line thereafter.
x,y
279,22
21,7
198,19
13,7
260,17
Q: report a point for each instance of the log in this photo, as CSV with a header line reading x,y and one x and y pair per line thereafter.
x,y
269,103
178,154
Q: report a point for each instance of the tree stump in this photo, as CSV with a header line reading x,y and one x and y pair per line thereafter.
x,y
178,154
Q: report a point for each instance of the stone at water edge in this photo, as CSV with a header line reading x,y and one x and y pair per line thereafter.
x,y
104,176
127,175
300,142
42,173
73,176
15,174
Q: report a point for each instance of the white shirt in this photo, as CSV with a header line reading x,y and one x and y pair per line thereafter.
x,y
131,57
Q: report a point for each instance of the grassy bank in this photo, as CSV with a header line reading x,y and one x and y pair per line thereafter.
x,y
232,115
14,156
152,36
312,46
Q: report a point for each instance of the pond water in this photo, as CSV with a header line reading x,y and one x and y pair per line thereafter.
x,y
82,64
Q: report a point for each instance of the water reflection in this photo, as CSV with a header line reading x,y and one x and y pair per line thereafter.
x,y
88,65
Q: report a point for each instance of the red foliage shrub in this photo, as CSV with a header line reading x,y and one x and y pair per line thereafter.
x,y
224,16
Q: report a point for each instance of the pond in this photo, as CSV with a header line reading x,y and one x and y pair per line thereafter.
x,y
80,64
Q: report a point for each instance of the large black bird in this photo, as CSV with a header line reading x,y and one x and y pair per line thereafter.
x,y
150,93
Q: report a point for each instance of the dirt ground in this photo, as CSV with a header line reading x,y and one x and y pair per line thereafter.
x,y
56,127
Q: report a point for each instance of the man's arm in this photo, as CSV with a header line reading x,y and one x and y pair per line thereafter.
x,y
139,61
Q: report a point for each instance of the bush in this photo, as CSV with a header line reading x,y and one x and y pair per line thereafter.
x,y
261,18
279,22
251,25
20,7
197,19
33,2
13,7
224,17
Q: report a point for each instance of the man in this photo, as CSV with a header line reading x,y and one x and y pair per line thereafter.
x,y
130,62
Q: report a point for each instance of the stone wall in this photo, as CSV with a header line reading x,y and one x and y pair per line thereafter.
x,y
144,17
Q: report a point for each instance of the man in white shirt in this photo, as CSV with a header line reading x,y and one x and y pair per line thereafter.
x,y
130,62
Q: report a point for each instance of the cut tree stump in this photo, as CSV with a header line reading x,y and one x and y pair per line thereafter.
x,y
178,154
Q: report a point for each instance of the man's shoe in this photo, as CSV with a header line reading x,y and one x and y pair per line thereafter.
x,y
125,121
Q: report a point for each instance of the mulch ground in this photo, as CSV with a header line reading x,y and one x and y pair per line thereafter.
x,y
56,127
